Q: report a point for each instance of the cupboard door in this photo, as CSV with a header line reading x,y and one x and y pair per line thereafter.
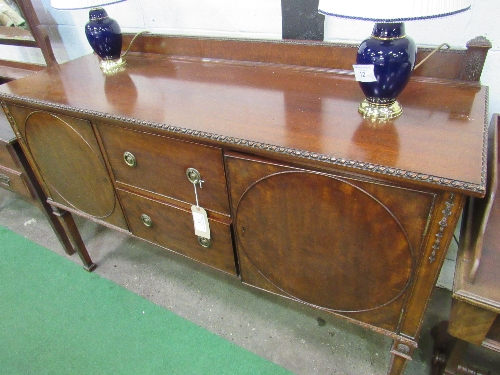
x,y
339,244
68,160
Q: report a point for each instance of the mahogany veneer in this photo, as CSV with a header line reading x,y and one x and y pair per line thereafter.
x,y
322,206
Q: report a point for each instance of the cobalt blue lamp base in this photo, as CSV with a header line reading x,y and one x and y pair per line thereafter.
x,y
386,60
392,55
105,38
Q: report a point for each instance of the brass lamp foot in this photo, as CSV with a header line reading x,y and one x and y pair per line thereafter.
x,y
379,112
112,66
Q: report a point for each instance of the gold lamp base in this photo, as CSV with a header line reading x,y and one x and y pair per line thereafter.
x,y
112,66
379,112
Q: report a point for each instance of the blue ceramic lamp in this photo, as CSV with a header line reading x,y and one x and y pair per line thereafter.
x,y
385,60
103,33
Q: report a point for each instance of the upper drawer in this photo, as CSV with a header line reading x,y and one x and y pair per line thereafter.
x,y
158,164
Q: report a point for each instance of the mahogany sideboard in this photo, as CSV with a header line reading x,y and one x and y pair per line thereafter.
x,y
305,199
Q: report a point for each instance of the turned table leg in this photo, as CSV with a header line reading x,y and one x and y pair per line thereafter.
x,y
70,228
448,354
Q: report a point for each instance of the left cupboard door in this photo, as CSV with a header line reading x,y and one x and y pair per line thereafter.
x,y
66,156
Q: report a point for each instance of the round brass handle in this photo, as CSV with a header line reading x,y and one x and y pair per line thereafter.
x,y
146,220
193,175
129,159
205,242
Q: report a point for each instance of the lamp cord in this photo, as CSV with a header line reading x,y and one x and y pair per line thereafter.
x,y
132,41
432,53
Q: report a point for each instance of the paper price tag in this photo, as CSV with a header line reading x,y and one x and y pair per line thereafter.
x,y
364,73
200,220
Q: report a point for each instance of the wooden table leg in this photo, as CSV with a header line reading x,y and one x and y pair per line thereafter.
x,y
70,228
455,358
400,355
56,225
448,354
40,199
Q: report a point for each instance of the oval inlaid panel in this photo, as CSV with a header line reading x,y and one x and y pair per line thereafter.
x,y
69,164
324,241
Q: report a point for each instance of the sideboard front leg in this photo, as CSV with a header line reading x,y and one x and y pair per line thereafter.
x,y
400,355
56,225
69,225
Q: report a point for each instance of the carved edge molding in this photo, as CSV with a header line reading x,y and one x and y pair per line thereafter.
x,y
443,223
343,162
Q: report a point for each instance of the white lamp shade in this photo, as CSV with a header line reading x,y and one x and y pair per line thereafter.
x,y
80,4
392,10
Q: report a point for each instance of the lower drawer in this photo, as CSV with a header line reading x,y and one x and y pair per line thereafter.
x,y
14,181
172,227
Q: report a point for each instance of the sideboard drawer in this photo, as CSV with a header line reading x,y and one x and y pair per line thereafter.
x,y
158,164
173,228
13,180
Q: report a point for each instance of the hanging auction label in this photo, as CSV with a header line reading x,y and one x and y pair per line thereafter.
x,y
364,72
200,219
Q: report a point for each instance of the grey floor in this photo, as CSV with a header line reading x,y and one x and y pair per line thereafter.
x,y
299,338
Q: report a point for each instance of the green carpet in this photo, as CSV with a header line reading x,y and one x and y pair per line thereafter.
x,y
55,318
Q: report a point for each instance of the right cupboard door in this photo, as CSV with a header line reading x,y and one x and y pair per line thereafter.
x,y
345,245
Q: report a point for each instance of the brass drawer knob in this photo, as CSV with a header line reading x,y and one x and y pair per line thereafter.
x,y
205,242
129,159
146,220
193,176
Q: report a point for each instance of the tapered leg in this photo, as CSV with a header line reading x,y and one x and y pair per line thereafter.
x,y
40,199
58,228
70,228
400,355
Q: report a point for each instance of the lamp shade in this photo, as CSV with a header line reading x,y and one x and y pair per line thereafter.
x,y
80,4
392,10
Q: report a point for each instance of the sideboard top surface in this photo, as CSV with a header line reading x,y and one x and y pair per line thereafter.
x,y
439,140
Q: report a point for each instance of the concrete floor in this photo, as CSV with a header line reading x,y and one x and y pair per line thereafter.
x,y
299,338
